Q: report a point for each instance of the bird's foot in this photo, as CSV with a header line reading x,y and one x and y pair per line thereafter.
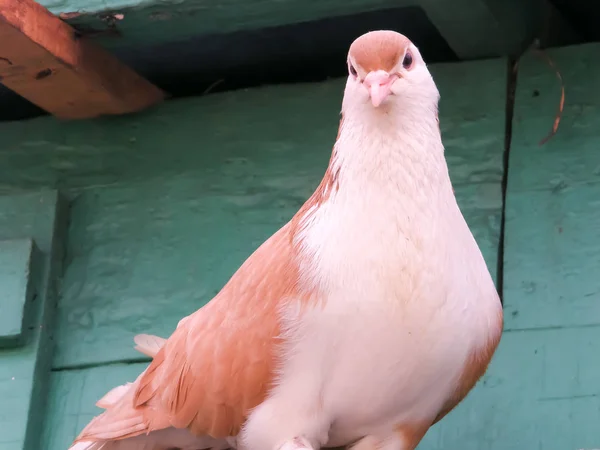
x,y
297,443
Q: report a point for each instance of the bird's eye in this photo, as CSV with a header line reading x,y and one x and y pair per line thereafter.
x,y
407,62
352,70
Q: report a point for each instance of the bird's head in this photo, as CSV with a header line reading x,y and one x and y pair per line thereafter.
x,y
386,69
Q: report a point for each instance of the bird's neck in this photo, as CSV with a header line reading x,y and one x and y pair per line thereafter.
x,y
387,168
386,187
394,152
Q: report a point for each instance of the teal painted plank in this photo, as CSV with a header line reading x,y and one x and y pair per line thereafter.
x,y
472,122
17,290
24,371
571,157
549,396
73,396
195,197
27,215
541,392
552,247
553,258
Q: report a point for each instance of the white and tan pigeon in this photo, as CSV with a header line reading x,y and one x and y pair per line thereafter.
x,y
362,321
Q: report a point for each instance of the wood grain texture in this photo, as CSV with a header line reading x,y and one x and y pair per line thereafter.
x,y
44,60
24,371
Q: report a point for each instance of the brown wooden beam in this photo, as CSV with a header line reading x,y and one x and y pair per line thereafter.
x,y
44,60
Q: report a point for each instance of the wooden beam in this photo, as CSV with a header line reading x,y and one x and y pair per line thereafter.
x,y
45,60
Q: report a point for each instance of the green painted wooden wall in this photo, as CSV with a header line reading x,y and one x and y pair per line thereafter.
x,y
157,210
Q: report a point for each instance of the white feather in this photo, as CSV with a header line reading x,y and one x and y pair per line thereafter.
x,y
148,344
113,396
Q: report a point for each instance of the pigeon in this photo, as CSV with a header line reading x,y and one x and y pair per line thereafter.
x,y
361,322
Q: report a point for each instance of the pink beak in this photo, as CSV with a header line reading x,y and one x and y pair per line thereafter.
x,y
379,85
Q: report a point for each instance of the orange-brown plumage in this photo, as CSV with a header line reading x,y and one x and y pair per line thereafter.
x,y
221,361
379,50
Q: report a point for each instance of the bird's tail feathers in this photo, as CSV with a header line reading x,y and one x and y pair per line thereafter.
x,y
113,396
166,439
123,427
147,344
120,420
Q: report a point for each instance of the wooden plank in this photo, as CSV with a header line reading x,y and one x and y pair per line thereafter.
x,y
553,247
72,400
541,391
24,371
553,258
45,61
17,272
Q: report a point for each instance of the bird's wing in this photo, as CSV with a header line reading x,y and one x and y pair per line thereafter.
x,y
220,362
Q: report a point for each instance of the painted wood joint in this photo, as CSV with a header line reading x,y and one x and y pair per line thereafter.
x,y
46,61
29,222
19,264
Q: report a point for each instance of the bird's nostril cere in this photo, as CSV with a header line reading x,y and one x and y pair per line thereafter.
x,y
379,86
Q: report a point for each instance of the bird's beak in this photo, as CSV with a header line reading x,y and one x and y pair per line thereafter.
x,y
379,85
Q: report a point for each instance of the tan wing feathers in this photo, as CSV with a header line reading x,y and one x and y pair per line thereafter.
x,y
221,361
230,353
146,344
117,422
